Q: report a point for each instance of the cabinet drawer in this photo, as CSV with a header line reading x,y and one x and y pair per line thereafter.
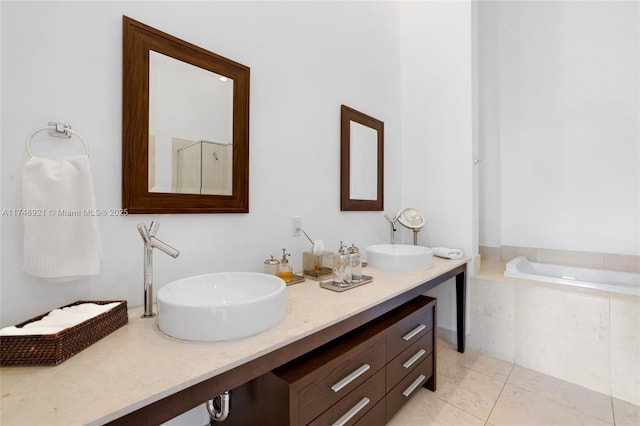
x,y
408,360
354,405
408,386
374,417
411,328
322,378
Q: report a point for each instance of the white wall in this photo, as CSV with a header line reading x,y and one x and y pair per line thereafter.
x,y
306,59
437,129
560,125
62,61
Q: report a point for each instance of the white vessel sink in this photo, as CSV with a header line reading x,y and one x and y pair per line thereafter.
x,y
399,257
221,306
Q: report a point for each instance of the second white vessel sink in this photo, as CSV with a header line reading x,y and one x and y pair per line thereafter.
x,y
221,306
399,257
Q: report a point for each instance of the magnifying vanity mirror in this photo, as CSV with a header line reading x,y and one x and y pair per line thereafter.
x,y
411,219
361,161
185,136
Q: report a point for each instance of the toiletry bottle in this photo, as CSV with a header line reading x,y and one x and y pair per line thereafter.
x,y
342,267
271,266
286,271
356,263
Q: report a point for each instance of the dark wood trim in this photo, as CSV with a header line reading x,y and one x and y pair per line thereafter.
x,y
138,39
347,115
173,405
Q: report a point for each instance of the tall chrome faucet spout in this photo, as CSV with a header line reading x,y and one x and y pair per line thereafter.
x,y
151,242
392,223
166,248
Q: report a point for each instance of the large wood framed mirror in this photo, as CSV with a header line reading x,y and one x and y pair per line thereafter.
x,y
185,126
361,161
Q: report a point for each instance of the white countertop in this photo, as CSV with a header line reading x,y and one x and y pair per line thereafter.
x,y
138,365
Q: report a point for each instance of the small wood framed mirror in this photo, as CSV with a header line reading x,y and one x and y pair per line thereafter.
x,y
185,126
361,161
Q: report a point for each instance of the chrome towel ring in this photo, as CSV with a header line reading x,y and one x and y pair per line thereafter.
x,y
58,130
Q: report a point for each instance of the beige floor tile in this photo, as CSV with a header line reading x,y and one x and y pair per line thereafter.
x,y
442,343
626,414
471,388
476,361
520,407
466,389
582,399
424,409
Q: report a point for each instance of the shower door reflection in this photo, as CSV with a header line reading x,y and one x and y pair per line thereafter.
x,y
201,167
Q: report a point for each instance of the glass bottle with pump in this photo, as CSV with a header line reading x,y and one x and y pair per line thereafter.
x,y
285,271
342,267
356,264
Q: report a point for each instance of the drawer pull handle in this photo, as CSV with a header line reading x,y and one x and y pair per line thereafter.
x,y
410,335
352,412
350,378
414,358
408,391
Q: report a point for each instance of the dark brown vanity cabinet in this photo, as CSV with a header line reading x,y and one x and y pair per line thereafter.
x,y
362,378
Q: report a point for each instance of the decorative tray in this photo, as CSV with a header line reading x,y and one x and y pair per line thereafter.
x,y
52,349
330,285
296,280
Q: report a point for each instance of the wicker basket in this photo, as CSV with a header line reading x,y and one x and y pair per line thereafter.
x,y
52,349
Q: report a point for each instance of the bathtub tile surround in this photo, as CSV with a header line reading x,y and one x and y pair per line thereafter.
x,y
508,252
626,414
524,397
556,328
622,262
587,337
583,259
625,348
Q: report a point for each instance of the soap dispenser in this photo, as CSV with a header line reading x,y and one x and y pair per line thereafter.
x,y
356,263
285,271
342,267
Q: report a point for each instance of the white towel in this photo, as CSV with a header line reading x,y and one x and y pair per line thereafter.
x,y
61,228
60,319
32,331
448,253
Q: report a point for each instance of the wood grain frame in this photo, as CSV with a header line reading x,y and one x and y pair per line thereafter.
x,y
138,40
347,115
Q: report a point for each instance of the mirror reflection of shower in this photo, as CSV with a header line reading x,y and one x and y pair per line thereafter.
x,y
203,167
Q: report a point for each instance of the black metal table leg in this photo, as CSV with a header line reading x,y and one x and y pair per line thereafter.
x,y
460,309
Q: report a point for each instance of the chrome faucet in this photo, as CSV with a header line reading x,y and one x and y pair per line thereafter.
x,y
150,242
392,222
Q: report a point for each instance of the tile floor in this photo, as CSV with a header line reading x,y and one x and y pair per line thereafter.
x,y
476,389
